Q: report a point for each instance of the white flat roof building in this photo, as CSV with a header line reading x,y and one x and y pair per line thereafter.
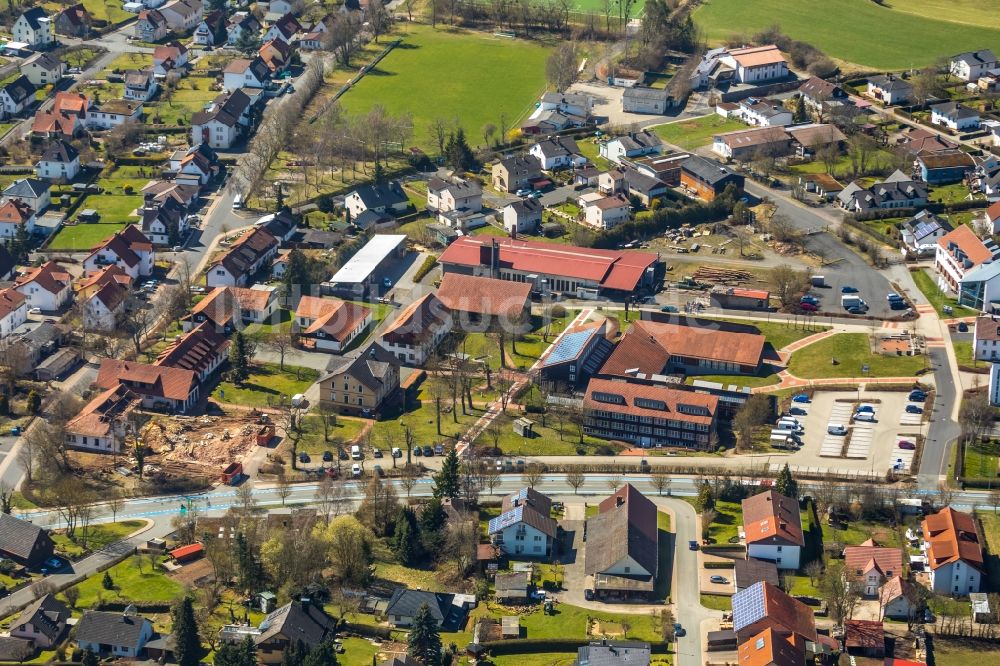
x,y
359,268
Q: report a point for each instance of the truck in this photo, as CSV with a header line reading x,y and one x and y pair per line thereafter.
x,y
232,474
849,301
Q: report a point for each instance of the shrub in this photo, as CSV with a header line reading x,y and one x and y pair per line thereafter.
x,y
558,311
34,402
425,268
604,450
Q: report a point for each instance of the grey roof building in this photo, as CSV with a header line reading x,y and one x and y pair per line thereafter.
x,y
124,634
24,542
613,653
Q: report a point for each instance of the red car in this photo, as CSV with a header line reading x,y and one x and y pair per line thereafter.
x,y
909,446
809,307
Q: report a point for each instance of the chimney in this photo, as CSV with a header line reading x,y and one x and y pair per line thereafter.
x,y
619,501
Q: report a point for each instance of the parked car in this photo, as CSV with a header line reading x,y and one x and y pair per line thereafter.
x,y
914,409
909,446
376,453
893,296
917,396
692,545
377,469
522,193
837,429
669,308
428,451
797,411
801,397
327,456
856,311
809,299
396,452
866,408
355,470
719,580
417,451
303,457
963,327
848,289
439,449
679,631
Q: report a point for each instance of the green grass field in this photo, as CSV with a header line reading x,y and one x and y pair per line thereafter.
x,y
925,283
779,334
453,74
98,536
691,134
133,581
860,31
266,385
851,351
84,236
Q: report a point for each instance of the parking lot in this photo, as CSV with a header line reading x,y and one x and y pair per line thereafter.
x,y
869,446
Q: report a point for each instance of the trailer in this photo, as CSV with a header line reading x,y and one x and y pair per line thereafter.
x,y
232,474
818,280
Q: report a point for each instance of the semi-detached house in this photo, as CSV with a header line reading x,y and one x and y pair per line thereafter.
x,y
48,287
244,73
129,249
773,529
254,250
960,254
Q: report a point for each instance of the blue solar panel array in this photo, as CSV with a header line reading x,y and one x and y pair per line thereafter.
x,y
505,520
569,347
748,606
925,228
519,496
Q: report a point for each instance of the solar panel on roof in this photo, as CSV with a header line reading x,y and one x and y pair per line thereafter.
x,y
748,606
569,347
505,520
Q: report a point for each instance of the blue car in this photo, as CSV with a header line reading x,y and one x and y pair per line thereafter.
x,y
848,289
797,411
917,396
809,299
800,397
914,409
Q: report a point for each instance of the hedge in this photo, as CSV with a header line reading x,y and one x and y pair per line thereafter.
x,y
544,645
720,565
366,630
425,268
723,546
143,606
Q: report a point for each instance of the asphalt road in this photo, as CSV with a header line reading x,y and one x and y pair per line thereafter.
x,y
942,430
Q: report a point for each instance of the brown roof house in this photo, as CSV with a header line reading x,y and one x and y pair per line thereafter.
x,y
173,389
524,528
872,565
622,552
360,383
202,350
226,308
762,606
417,331
100,425
483,302
296,621
773,529
954,551
330,324
248,255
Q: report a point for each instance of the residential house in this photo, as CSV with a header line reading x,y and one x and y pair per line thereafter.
x,y
279,8
101,426
986,338
195,166
707,179
516,173
387,197
243,73
613,653
118,634
955,116
896,191
103,309
151,26
240,23
212,29
140,85
224,122
607,212
898,599
523,216
622,551
91,283
283,225
35,193
13,313
445,195
244,258
954,552
169,57
889,89
164,223
330,324
159,387
294,622
404,604
763,113
34,28
634,144
746,145
524,527
643,187
182,16
558,111
921,141
128,249
227,308
611,182
959,252
112,113
42,622
54,124
276,54
557,153
60,162
972,65
482,301
772,648
74,21
756,64
919,235
284,30
773,529
360,383
417,330
819,95
751,571
183,193
48,287
43,69
872,565
202,350
16,96
15,215
650,101
764,606
990,219
24,542
945,167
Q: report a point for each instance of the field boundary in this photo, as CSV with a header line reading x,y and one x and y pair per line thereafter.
x,y
355,79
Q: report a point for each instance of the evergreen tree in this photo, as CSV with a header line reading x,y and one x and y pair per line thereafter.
x,y
187,647
21,244
107,583
800,115
247,42
295,654
424,641
248,652
33,402
297,273
90,659
248,567
457,153
406,540
173,233
446,482
706,500
239,358
786,484
432,520
321,655
279,197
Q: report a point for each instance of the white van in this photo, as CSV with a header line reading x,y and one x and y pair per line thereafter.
x,y
356,452
867,417
789,423
783,432
837,429
237,202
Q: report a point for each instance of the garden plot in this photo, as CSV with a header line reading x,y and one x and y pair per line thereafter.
x,y
861,441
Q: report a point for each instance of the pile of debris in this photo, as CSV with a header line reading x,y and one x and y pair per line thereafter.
x,y
204,440
722,276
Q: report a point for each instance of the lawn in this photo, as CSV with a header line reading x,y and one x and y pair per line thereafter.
x,y
98,536
190,96
507,77
112,207
102,10
84,236
344,431
964,355
860,31
851,351
717,602
266,385
964,651
981,460
525,351
122,177
128,61
691,134
925,283
133,581
421,418
991,531
548,441
727,523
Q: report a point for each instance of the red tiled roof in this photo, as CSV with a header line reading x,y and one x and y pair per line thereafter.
x,y
864,634
993,212
968,242
110,273
147,379
484,296
195,351
755,56
418,321
10,300
112,293
771,648
186,551
611,269
951,536
50,276
15,211
630,393
334,317
96,417
770,517
862,559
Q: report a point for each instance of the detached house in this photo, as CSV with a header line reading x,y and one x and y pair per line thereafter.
x,y
239,24
524,527
172,389
42,622
635,144
15,214
128,249
119,634
444,196
254,250
23,542
387,197
243,73
417,331
224,122
102,310
330,324
13,313
182,16
920,234
889,90
872,565
622,551
773,529
140,85
151,26
212,29
164,222
522,217
34,28
944,167
226,308
114,112
956,117
100,427
42,69
284,29
557,153
972,65
819,94
33,192
16,96
516,173
954,552
168,58
65,119
60,163
607,212
276,54
361,383
48,287
896,191
74,21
